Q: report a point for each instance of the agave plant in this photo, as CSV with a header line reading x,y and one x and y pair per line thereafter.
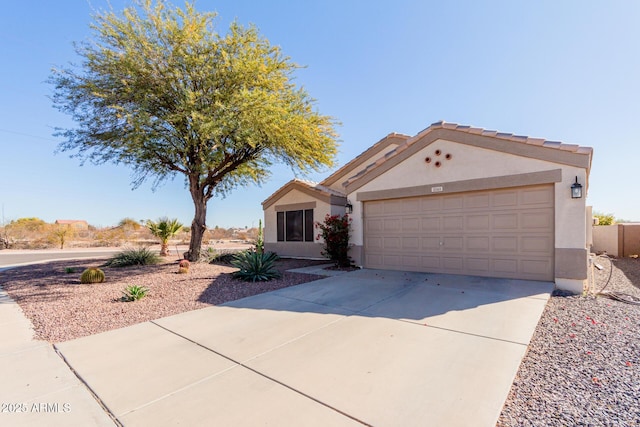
x,y
134,293
164,229
255,266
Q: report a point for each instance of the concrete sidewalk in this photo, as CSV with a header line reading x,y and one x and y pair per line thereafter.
x,y
363,348
37,388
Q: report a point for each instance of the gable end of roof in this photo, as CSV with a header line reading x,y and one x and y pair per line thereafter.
x,y
317,191
362,158
542,149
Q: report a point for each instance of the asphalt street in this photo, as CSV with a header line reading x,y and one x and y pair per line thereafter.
x,y
13,258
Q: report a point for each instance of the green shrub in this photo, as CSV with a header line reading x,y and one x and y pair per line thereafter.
x,y
92,275
134,293
128,257
211,256
255,266
69,270
335,232
604,218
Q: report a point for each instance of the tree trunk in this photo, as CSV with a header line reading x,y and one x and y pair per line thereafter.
x,y
198,226
164,249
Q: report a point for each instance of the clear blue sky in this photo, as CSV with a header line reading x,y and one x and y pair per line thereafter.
x,y
561,70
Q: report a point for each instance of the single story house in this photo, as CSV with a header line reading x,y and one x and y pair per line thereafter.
x,y
452,199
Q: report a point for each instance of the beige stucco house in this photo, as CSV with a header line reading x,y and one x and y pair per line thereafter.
x,y
451,199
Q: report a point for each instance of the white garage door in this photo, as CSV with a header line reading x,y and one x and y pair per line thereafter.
x,y
496,233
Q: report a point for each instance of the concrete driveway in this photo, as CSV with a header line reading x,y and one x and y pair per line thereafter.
x,y
368,347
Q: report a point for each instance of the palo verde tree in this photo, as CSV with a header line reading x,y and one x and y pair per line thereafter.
x,y
61,233
161,91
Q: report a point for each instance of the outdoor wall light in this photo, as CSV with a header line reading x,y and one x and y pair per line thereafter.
x,y
349,207
576,190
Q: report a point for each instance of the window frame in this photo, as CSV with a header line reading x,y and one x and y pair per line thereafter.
x,y
301,219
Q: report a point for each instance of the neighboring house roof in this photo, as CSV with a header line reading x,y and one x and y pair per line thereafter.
x,y
71,221
505,142
314,189
393,139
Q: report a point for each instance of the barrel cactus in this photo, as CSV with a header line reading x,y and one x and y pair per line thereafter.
x,y
183,266
92,275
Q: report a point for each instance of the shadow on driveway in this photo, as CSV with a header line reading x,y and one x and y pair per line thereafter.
x,y
497,308
363,348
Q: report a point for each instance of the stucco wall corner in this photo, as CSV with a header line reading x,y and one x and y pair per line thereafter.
x,y
574,286
571,263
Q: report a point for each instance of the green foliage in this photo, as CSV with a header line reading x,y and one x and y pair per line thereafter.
x,y
129,257
225,256
134,293
92,275
255,266
335,233
29,224
160,90
69,270
260,238
27,233
61,233
604,219
164,229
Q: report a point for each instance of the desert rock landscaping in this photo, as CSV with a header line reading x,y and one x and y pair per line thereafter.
x,y
61,308
582,367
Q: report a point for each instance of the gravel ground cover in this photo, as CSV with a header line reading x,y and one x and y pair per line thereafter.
x,y
582,367
61,308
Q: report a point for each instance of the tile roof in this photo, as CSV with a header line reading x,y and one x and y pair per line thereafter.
x,y
503,135
390,138
319,187
475,131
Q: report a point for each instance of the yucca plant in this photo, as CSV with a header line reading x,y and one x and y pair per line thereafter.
x,y
134,293
212,256
255,266
92,275
164,229
128,257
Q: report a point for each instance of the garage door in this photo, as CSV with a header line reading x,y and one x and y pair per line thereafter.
x,y
496,233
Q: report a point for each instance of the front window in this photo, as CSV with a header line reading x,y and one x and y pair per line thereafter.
x,y
295,226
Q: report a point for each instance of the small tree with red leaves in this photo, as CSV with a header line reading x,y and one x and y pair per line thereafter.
x,y
335,232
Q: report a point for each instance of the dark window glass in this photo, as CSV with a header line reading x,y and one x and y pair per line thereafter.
x,y
280,226
308,225
294,226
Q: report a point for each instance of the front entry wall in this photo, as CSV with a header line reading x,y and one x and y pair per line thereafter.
x,y
496,233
